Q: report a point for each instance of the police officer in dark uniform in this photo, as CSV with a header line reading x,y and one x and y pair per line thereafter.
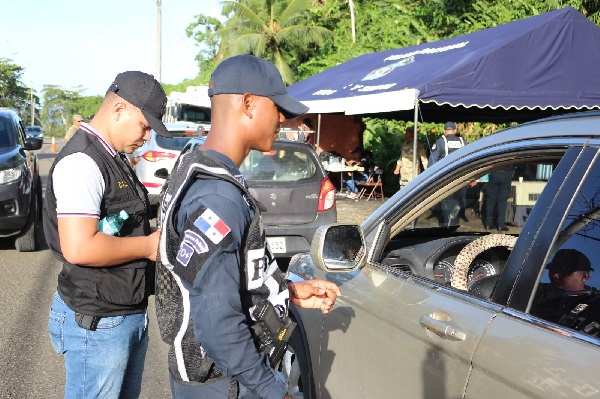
x,y
497,192
98,318
566,300
454,205
220,295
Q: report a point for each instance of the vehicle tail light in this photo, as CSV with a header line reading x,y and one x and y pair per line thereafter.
x,y
151,184
153,156
326,195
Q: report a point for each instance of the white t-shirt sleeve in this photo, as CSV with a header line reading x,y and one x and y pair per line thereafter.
x,y
78,186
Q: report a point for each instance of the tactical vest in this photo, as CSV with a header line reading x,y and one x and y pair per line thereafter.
x,y
104,291
452,143
260,275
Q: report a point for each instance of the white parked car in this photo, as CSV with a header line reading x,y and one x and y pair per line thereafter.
x,y
161,152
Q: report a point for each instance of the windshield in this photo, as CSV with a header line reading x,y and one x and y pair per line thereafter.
x,y
7,134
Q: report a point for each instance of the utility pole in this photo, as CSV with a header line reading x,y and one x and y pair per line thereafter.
x,y
32,107
158,44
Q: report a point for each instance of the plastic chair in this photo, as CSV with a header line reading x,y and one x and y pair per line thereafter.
x,y
373,186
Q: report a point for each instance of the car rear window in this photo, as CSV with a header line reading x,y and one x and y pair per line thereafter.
x,y
177,142
279,164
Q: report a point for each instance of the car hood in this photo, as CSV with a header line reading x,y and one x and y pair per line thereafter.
x,y
9,156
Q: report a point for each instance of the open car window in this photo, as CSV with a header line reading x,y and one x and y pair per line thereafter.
x,y
489,205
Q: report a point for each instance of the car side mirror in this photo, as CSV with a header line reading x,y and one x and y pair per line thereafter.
x,y
162,173
338,248
33,143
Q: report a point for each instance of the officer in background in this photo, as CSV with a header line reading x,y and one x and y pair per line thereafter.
x,y
454,205
446,144
77,119
567,300
404,165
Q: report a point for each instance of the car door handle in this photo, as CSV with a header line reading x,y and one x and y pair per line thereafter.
x,y
442,328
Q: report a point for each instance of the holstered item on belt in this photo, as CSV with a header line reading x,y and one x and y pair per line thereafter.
x,y
87,322
272,332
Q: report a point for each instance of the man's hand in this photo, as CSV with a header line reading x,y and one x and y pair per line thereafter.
x,y
315,294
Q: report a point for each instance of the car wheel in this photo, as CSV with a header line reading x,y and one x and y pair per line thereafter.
x,y
295,369
27,241
467,255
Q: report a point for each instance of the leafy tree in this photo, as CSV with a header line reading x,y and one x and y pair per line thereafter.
x,y
272,29
13,93
59,107
203,31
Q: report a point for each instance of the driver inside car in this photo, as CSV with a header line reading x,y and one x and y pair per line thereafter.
x,y
566,300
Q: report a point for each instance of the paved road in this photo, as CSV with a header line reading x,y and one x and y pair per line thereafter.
x,y
29,367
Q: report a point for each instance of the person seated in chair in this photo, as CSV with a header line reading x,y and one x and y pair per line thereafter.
x,y
363,159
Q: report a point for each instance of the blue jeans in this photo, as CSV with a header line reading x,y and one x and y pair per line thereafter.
x,y
352,180
105,363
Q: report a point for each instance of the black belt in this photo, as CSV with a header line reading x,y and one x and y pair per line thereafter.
x,y
87,322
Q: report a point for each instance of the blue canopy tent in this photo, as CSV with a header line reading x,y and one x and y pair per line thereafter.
x,y
546,62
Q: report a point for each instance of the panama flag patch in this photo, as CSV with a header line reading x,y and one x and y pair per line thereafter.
x,y
212,226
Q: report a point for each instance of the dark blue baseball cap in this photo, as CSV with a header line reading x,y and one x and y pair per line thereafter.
x,y
449,126
249,74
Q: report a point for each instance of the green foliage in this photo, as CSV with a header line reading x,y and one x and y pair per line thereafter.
x,y
59,107
203,31
13,94
272,29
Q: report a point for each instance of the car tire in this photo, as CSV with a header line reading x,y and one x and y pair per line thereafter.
x,y
27,240
295,368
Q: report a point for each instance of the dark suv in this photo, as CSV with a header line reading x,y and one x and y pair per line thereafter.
x,y
290,182
20,182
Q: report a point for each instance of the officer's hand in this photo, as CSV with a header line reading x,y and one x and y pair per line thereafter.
x,y
396,171
315,294
153,245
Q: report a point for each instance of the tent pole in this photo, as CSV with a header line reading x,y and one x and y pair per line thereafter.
x,y
416,138
318,131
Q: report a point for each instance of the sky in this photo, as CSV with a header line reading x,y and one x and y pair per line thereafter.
x,y
85,44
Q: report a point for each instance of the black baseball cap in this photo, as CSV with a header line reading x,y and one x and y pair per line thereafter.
x,y
567,261
144,92
249,74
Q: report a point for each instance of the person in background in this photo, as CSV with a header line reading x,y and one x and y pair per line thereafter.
x,y
454,205
363,158
497,192
217,279
404,165
98,320
305,130
77,119
567,300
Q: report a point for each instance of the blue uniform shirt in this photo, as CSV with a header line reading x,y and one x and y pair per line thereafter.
x,y
219,321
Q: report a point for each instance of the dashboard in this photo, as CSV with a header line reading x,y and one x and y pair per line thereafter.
x,y
434,258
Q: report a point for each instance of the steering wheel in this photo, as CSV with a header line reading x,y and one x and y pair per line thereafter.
x,y
467,255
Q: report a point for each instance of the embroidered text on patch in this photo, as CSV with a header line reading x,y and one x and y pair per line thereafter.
x,y
184,254
211,225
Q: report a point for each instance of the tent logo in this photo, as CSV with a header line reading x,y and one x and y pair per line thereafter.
x,y
381,72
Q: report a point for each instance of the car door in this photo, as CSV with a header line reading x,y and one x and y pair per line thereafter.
x,y
523,356
419,336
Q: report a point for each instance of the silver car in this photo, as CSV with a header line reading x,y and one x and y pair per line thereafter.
x,y
434,306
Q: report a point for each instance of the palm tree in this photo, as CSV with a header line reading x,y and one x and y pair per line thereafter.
x,y
271,29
